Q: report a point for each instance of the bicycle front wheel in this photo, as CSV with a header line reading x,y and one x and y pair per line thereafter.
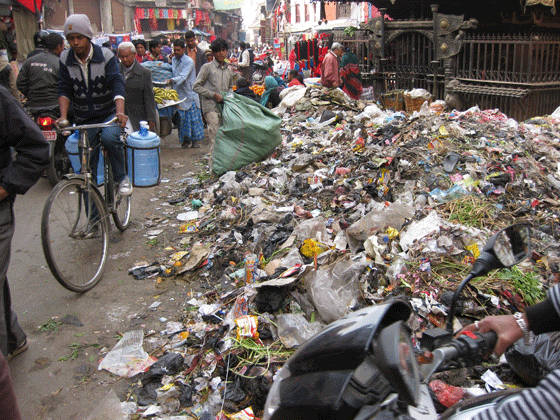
x,y
119,205
75,235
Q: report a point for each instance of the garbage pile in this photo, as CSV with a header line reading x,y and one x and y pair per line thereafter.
x,y
357,206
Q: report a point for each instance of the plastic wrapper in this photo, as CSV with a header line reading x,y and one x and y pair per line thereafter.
x,y
335,289
247,327
294,330
128,358
108,408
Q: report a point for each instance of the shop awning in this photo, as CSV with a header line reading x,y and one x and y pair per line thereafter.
x,y
33,6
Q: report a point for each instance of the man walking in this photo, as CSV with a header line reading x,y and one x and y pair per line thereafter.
x,y
330,74
139,100
244,65
38,77
90,79
194,51
17,175
191,128
214,77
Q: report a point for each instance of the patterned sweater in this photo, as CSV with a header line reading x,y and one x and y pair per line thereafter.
x,y
95,101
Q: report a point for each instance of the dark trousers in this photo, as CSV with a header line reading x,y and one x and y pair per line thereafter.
x,y
8,404
11,333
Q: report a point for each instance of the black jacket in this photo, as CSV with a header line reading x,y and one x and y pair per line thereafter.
x,y
248,93
19,131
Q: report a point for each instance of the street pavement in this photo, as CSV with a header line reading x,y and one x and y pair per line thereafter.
x,y
48,386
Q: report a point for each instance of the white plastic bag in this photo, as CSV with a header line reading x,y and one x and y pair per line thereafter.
x,y
128,358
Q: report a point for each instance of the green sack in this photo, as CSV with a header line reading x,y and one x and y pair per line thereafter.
x,y
250,132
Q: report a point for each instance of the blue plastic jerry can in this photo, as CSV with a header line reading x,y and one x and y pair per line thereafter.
x,y
74,154
143,157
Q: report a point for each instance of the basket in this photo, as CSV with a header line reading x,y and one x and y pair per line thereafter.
x,y
393,100
414,104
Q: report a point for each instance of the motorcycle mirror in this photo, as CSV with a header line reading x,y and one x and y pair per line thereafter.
x,y
505,248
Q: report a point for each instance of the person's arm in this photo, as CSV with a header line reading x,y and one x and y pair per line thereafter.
x,y
116,85
200,82
540,402
64,91
19,131
540,318
22,81
185,71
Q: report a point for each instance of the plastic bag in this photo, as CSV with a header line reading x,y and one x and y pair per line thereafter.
x,y
294,330
128,358
336,289
250,132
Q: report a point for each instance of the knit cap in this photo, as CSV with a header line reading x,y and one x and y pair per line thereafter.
x,y
78,24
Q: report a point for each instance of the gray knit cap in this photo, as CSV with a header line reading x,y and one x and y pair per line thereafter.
x,y
78,24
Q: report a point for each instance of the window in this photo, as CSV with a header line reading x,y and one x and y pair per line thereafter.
x,y
297,13
306,12
343,10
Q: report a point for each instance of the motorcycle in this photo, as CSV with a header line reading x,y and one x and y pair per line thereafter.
x,y
364,366
59,161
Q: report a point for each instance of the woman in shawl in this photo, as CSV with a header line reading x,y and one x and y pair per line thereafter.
x,y
350,75
270,97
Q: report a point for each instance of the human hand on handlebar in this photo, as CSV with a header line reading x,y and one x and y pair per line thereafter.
x,y
122,119
505,326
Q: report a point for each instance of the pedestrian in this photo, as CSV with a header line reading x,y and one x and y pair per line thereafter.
x,y
270,97
209,55
9,409
350,75
245,62
17,174
330,75
191,127
38,76
166,50
97,97
155,51
243,89
139,100
141,54
194,51
214,77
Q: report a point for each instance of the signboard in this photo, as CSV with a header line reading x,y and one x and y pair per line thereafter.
x,y
228,4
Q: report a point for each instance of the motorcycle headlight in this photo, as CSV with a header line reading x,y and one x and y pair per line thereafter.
x,y
273,398
398,362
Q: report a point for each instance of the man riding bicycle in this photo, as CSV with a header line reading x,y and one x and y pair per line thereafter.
x,y
90,79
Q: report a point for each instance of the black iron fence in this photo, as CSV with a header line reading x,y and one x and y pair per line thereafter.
x,y
516,73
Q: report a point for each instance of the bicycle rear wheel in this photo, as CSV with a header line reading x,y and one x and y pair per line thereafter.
x,y
75,245
119,205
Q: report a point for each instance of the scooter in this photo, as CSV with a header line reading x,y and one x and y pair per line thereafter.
x,y
364,366
262,68
59,161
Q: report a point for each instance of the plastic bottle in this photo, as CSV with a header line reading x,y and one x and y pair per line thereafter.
x,y
74,156
143,157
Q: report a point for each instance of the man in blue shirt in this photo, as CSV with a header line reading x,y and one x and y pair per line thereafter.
x,y
191,128
97,97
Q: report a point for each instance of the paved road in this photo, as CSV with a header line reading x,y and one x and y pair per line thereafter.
x,y
46,387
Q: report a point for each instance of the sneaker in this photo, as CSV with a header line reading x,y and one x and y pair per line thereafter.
x,y
20,349
125,187
92,230
185,144
195,145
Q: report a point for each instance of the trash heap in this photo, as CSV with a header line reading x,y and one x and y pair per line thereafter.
x,y
357,206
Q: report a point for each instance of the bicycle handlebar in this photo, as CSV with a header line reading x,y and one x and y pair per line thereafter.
x,y
110,123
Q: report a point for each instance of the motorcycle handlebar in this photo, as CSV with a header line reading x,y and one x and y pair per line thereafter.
x,y
474,345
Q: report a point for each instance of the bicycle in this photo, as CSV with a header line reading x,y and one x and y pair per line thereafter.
x,y
75,222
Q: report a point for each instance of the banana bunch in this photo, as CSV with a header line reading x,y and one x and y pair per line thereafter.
x,y
162,95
